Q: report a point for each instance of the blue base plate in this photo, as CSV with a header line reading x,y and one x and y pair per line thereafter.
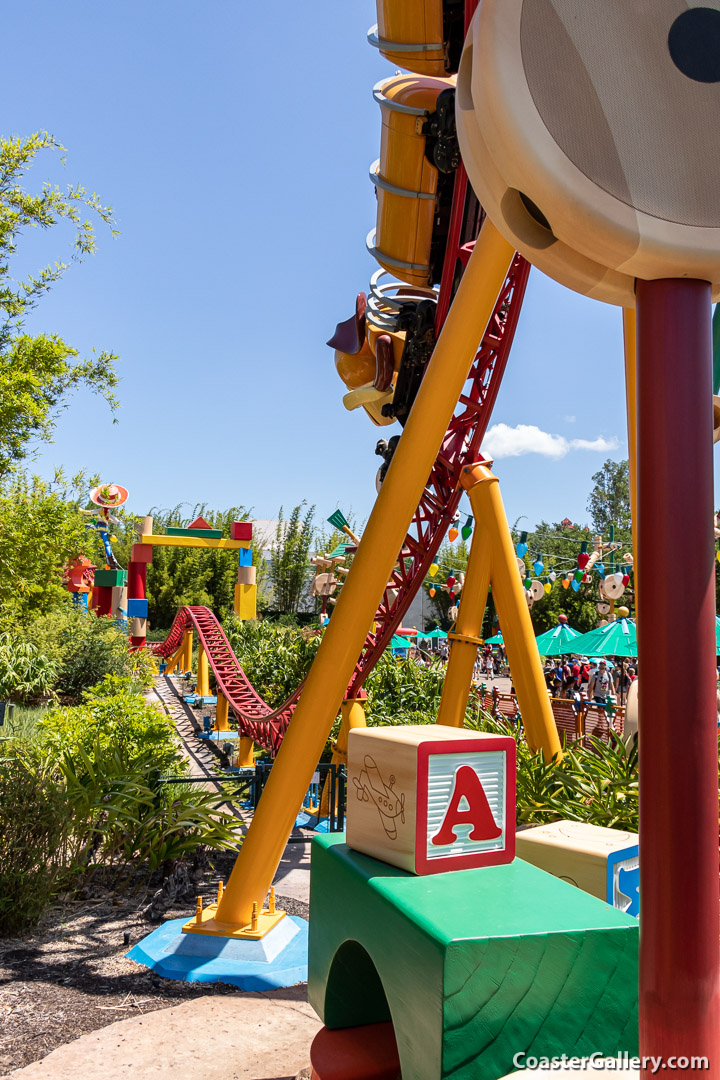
x,y
278,959
306,820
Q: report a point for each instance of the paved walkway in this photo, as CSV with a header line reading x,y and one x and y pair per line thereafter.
x,y
248,1037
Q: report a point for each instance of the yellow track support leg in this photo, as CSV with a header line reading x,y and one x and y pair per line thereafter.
x,y
202,688
187,651
342,642
493,559
221,713
245,757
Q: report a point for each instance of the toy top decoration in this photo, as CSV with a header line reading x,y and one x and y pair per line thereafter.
x,y
109,495
586,133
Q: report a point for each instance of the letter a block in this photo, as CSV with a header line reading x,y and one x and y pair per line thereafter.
x,y
429,798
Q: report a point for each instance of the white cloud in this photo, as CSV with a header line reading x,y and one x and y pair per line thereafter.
x,y
502,441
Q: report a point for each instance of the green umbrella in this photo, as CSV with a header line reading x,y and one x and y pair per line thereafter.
x,y
397,642
618,638
717,634
558,641
497,640
436,633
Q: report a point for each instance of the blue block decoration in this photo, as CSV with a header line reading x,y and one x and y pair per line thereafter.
x,y
245,555
137,609
623,880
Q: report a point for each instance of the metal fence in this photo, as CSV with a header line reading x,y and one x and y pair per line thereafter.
x,y
324,801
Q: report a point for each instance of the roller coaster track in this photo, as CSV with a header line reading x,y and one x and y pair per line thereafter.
x,y
432,518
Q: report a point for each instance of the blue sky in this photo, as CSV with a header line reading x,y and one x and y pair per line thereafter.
x,y
233,142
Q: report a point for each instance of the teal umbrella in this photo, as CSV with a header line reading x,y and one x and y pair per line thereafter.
x,y
618,638
497,640
436,633
398,643
558,641
717,634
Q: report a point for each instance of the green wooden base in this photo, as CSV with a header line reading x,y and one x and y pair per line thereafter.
x,y
471,966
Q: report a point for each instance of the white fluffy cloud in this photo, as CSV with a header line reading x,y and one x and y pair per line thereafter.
x,y
502,441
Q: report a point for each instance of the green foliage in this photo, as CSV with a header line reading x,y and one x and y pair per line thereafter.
x,y
86,649
290,567
609,500
26,674
274,657
41,531
37,373
72,817
598,784
111,721
179,576
403,692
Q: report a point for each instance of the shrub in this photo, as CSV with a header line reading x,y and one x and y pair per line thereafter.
x,y
112,719
85,649
26,674
275,658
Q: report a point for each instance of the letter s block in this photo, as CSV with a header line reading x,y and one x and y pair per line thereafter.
x,y
429,798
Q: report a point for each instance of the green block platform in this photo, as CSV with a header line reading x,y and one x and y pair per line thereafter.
x,y
471,966
109,578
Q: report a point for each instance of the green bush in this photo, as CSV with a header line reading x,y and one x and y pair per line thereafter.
x,y
112,719
33,816
80,804
597,784
26,674
275,658
85,649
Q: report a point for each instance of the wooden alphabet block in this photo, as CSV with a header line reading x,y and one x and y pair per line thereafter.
x,y
246,575
141,553
603,862
245,606
138,627
429,798
241,530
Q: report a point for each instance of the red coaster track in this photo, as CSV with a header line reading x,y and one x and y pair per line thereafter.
x,y
256,719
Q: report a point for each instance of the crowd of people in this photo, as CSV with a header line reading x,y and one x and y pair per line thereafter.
x,y
590,680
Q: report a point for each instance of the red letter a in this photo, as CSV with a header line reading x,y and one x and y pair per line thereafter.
x,y
478,814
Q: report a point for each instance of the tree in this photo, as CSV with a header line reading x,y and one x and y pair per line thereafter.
x,y
38,372
609,501
290,565
41,530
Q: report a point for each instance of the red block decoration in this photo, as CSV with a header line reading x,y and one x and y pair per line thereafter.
x,y
430,798
142,553
241,530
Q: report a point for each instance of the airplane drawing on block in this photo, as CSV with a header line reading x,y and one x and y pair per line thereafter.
x,y
370,787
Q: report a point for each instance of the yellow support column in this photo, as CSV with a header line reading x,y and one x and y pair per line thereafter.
x,y
202,688
465,638
245,755
491,529
245,603
187,647
327,680
352,715
221,713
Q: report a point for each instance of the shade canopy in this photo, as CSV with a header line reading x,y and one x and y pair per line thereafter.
x,y
397,642
618,638
436,633
717,633
497,640
557,641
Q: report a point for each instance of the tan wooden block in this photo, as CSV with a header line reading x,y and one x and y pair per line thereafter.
x,y
138,627
574,851
246,575
246,601
118,600
429,798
